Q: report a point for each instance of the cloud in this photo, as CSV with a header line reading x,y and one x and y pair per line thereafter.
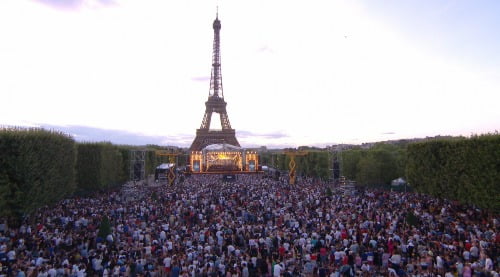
x,y
389,133
201,78
93,134
61,4
265,49
76,4
250,134
181,140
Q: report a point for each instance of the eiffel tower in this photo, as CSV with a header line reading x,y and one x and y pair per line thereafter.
x,y
215,104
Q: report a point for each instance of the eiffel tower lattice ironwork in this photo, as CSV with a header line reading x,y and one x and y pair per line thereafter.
x,y
215,104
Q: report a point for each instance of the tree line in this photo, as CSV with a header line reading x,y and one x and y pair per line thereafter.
x,y
316,163
378,165
466,170
40,167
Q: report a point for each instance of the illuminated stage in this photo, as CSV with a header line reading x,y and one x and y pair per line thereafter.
x,y
224,159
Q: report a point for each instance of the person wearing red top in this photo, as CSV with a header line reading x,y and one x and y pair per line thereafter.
x,y
390,246
343,234
322,251
281,251
345,260
468,245
323,255
39,227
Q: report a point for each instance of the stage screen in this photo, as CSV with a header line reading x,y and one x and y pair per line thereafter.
x,y
251,165
196,166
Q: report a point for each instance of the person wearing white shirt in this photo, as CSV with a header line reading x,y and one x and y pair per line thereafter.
x,y
474,252
286,245
338,256
11,255
167,262
365,267
3,248
245,272
466,255
488,264
147,250
39,261
277,270
97,264
52,272
81,271
109,238
439,264
105,273
230,249
254,261
396,259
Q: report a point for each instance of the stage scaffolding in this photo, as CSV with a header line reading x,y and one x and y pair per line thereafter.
x,y
137,165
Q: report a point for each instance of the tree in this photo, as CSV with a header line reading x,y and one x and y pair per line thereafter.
x,y
368,171
412,220
350,160
104,228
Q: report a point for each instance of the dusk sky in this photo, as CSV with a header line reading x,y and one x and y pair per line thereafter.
x,y
294,72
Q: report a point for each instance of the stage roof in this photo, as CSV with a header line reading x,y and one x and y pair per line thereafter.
x,y
222,147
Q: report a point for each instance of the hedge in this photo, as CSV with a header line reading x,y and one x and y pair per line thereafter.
x,y
99,166
37,167
40,167
462,169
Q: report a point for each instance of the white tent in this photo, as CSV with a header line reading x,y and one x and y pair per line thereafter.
x,y
165,166
398,182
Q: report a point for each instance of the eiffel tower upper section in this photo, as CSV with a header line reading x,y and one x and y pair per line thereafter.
x,y
215,104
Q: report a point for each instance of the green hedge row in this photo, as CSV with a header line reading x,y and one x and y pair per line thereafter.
x,y
315,163
37,167
466,170
100,166
374,166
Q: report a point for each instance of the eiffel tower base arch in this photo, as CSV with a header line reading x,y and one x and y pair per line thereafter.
x,y
206,137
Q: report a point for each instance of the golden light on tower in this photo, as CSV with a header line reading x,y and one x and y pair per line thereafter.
x,y
292,165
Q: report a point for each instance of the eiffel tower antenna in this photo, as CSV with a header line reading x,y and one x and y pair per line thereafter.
x,y
216,78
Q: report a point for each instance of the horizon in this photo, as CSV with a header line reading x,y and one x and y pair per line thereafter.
x,y
131,139
330,72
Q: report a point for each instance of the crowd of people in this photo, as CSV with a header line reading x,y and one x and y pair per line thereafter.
x,y
252,226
